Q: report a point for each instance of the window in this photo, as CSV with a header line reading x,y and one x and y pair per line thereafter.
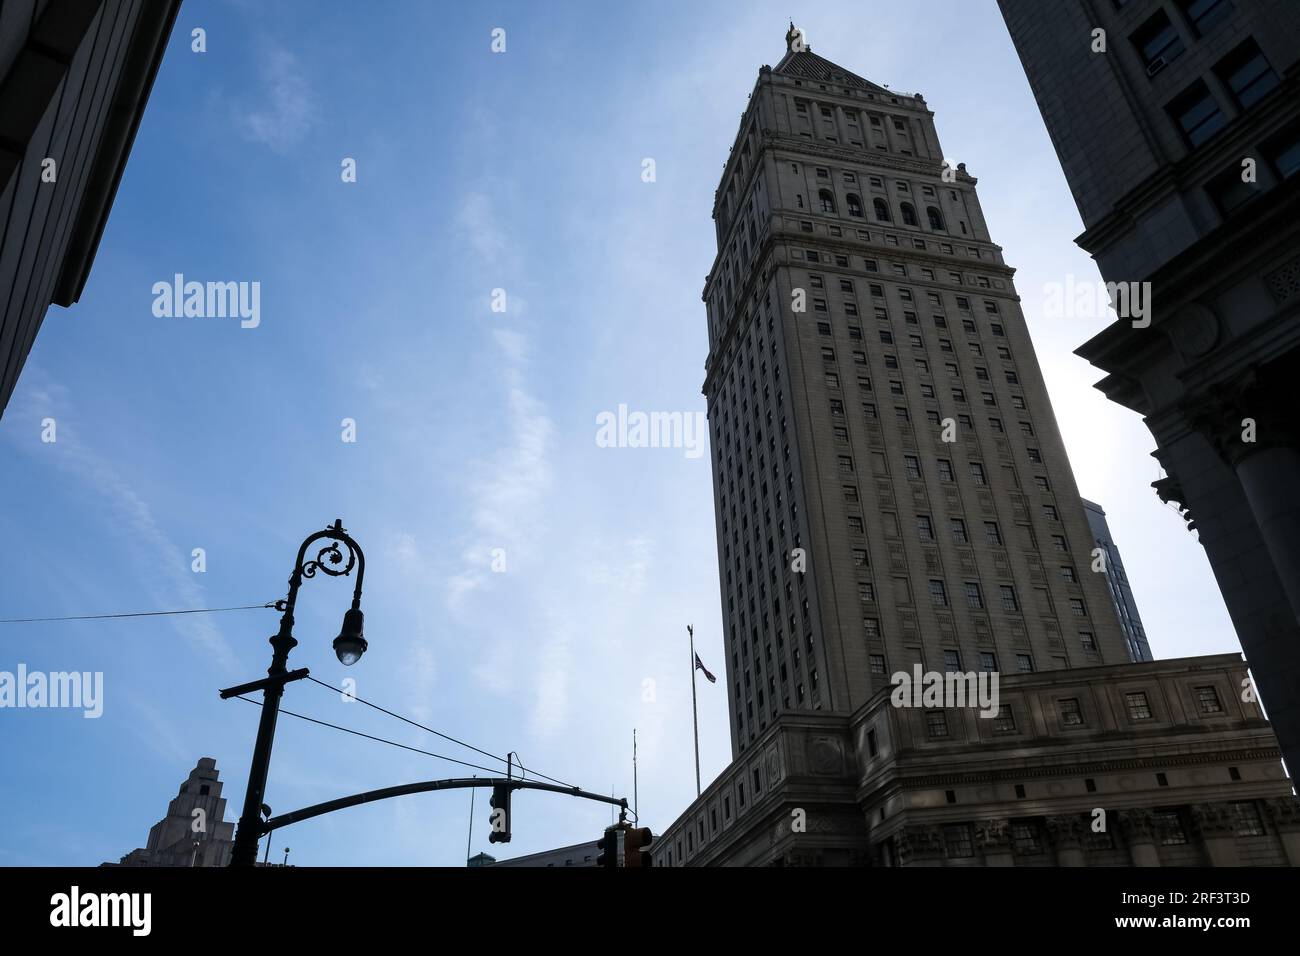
x,y
1197,114
1139,708
878,664
988,660
935,218
958,527
1088,643
1169,827
1246,815
1005,721
1024,836
827,200
1247,74
945,470
957,841
846,465
1158,43
924,528
1204,14
913,466
938,593
974,598
854,203
977,473
936,724
866,592
909,214
952,660
1024,663
1067,573
1071,713
1009,602
1077,608
881,210
1207,698
1283,151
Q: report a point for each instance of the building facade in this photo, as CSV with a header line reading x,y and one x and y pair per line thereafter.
x,y
74,79
893,496
194,832
1181,145
1154,764
1121,592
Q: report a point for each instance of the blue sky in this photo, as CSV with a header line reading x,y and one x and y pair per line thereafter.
x,y
475,429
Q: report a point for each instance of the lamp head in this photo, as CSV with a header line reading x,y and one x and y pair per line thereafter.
x,y
350,644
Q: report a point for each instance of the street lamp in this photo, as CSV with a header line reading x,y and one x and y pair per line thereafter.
x,y
348,646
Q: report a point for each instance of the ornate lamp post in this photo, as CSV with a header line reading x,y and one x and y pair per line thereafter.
x,y
349,646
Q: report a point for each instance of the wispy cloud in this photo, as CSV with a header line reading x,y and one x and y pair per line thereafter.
x,y
288,108
167,575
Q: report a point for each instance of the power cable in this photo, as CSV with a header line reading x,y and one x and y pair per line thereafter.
x,y
99,617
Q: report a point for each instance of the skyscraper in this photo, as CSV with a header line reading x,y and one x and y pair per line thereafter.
x,y
890,484
1177,123
195,831
1121,592
893,496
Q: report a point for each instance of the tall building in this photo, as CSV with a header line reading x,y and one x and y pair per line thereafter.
x,y
74,79
1181,145
893,496
195,831
876,404
1121,592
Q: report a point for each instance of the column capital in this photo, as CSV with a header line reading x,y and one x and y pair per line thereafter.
x,y
1225,414
1138,826
993,836
1213,819
1067,831
1283,812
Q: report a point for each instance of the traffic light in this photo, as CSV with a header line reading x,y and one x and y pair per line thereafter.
x,y
499,820
635,842
608,847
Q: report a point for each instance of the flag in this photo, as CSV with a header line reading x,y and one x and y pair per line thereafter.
x,y
699,666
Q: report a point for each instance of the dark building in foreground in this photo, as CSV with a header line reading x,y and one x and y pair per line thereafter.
x,y
74,79
195,831
1181,145
1121,592
893,497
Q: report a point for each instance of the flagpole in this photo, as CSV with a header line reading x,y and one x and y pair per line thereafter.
x,y
635,807
695,711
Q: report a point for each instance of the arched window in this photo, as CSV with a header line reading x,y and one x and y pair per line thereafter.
x,y
882,211
909,214
936,218
827,200
855,205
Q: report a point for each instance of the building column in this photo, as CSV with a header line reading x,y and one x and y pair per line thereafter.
x,y
1068,833
1248,428
1270,478
1217,829
1139,831
1284,814
993,837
